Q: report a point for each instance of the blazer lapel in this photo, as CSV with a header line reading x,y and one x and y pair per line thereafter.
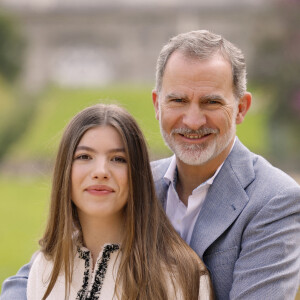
x,y
159,168
225,200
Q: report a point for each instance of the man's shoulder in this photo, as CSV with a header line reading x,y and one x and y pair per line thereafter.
x,y
273,176
265,174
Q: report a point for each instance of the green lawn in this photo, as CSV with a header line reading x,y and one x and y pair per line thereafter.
x,y
57,106
23,207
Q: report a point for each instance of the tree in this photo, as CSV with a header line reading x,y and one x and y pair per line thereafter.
x,y
11,48
278,71
14,114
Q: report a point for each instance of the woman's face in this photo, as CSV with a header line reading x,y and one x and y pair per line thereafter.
x,y
100,175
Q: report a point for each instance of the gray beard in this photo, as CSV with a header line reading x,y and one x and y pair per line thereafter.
x,y
198,154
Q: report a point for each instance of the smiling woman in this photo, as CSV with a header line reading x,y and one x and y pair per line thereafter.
x,y
107,236
100,186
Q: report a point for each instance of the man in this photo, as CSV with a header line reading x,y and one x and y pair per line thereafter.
x,y
240,214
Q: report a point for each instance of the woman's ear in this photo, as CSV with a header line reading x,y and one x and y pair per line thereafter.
x,y
243,107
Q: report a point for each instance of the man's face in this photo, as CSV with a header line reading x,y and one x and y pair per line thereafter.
x,y
196,108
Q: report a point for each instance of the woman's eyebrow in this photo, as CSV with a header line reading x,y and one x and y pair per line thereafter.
x,y
86,148
116,150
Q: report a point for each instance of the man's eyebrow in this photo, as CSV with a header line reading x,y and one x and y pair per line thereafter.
x,y
175,96
203,98
212,97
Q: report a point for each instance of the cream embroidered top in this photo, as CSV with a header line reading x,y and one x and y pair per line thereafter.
x,y
88,284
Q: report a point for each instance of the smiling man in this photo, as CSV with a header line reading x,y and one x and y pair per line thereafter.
x,y
238,212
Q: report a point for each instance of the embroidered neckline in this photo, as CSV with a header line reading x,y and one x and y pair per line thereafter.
x,y
100,269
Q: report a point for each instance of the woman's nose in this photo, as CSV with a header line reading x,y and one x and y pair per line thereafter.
x,y
100,169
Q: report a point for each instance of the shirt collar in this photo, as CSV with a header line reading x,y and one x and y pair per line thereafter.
x,y
171,173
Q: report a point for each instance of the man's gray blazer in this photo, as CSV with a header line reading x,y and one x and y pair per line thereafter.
x,y
248,230
247,233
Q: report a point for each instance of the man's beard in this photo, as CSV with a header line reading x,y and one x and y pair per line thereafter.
x,y
198,154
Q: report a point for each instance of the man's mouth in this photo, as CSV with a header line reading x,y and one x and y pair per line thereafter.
x,y
194,136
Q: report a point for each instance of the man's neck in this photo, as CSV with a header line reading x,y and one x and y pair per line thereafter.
x,y
190,177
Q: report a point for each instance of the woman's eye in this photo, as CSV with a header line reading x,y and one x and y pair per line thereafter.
x,y
119,159
83,157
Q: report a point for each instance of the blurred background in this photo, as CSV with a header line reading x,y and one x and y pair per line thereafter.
x,y
57,57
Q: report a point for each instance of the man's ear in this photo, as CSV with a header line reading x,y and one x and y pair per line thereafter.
x,y
243,107
155,103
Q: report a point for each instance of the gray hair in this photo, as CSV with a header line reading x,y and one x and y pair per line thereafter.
x,y
203,44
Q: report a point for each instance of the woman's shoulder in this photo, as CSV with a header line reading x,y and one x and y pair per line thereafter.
x,y
40,262
38,276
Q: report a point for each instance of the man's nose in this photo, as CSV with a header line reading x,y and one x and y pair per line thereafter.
x,y
194,117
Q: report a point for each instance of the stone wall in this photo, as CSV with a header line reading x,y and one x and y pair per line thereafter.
x,y
105,44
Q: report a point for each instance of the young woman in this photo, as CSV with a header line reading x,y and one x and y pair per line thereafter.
x,y
107,236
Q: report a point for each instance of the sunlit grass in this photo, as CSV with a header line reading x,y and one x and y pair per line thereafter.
x,y
58,106
23,207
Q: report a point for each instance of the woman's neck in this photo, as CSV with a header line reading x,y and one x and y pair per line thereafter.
x,y
96,233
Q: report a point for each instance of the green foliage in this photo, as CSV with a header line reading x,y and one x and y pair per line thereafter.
x,y
14,116
14,112
6,101
278,70
11,48
253,133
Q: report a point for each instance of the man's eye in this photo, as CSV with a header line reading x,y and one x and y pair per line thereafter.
x,y
213,102
177,100
119,159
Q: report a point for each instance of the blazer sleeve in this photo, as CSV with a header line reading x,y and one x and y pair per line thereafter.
x,y
269,261
15,287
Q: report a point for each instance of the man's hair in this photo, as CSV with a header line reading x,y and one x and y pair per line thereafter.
x,y
150,245
202,44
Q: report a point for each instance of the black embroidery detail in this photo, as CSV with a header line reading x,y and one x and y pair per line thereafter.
x,y
101,269
86,256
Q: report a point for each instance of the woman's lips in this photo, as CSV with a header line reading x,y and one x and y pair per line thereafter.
x,y
99,190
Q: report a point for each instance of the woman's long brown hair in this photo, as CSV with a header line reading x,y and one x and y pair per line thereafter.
x,y
153,254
